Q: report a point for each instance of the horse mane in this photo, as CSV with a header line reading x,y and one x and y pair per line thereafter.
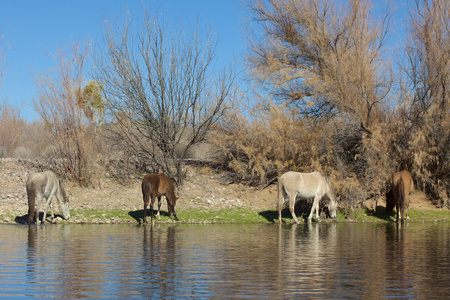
x,y
172,190
330,187
62,191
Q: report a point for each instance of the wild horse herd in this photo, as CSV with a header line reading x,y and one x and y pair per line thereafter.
x,y
43,186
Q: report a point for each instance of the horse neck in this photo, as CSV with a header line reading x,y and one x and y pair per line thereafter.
x,y
61,193
330,192
171,192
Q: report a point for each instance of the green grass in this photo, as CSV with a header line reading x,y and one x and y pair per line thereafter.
x,y
234,215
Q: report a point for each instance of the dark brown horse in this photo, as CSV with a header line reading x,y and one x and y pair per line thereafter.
x,y
402,185
156,185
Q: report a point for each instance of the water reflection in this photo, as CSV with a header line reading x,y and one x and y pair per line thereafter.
x,y
226,261
304,259
159,260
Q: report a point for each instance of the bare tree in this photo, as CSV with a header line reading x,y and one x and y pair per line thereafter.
x,y
162,90
60,104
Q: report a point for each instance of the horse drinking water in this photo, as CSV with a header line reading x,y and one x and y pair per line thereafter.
x,y
402,185
45,185
305,185
156,185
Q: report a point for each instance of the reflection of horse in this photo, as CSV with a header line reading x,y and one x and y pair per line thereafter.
x,y
45,185
402,185
156,185
305,185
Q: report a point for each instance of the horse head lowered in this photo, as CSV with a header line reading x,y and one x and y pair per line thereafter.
x,y
305,185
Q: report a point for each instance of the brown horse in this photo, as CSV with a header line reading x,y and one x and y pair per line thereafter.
x,y
402,185
156,185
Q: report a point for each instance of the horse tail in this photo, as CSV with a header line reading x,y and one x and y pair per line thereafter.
x,y
145,189
280,201
401,194
31,194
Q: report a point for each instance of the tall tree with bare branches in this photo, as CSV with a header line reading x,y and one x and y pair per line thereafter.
x,y
60,104
162,90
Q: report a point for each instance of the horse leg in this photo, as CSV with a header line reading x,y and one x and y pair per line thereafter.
x,y
146,200
159,208
397,207
51,210
48,203
291,198
38,208
407,207
44,217
280,203
315,208
151,208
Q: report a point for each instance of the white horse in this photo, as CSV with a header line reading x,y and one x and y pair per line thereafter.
x,y
45,185
305,185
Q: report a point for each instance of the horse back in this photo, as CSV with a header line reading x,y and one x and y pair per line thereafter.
x,y
37,183
305,184
158,184
407,182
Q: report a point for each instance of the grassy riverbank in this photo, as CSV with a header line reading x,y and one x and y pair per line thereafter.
x,y
207,197
234,215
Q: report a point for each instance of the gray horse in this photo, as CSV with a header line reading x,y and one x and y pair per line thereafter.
x,y
305,185
45,185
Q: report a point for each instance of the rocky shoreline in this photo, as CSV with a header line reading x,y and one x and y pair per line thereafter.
x,y
204,188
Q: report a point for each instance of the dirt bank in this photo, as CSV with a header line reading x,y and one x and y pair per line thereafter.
x,y
204,188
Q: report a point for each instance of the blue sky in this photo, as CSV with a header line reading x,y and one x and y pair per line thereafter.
x,y
30,30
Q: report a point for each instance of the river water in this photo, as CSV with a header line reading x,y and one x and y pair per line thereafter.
x,y
226,261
